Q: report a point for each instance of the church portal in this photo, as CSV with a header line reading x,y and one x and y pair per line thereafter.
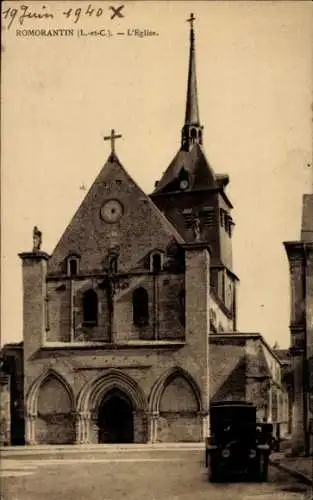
x,y
115,419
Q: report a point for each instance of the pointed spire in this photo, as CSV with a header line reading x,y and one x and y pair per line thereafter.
x,y
192,130
192,108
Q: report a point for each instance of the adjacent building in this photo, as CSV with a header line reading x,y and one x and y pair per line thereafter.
x,y
300,257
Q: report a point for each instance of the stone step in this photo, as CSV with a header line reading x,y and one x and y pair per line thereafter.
x,y
50,450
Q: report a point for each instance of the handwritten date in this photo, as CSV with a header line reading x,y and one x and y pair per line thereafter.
x,y
24,12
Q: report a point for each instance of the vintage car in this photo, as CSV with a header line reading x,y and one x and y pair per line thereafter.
x,y
238,447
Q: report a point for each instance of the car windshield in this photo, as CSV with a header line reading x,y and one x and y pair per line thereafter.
x,y
230,425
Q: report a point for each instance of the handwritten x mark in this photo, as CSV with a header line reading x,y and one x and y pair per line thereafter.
x,y
117,12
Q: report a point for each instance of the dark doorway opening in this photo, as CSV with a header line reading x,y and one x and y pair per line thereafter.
x,y
115,420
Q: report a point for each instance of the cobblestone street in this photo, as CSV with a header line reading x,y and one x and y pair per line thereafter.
x,y
135,475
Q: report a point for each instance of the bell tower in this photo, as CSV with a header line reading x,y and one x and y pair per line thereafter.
x,y
193,197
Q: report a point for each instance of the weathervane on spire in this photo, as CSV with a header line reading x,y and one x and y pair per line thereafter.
x,y
112,138
191,20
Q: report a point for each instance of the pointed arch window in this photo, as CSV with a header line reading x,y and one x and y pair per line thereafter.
x,y
90,308
140,307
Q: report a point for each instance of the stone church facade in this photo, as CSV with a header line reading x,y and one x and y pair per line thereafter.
x,y
130,325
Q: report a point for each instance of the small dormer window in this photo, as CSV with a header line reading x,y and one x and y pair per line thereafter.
x,y
156,263
73,266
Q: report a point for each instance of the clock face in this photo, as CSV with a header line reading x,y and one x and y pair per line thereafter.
x,y
184,184
111,211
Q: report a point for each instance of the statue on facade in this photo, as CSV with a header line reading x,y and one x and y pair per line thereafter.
x,y
196,229
37,239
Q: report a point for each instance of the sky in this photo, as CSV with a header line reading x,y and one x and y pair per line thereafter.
x,y
61,95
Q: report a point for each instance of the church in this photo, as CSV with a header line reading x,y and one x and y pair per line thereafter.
x,y
130,325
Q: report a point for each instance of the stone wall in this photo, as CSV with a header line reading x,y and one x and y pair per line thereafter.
x,y
176,427
55,429
227,366
165,311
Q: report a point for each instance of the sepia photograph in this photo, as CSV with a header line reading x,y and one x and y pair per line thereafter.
x,y
156,250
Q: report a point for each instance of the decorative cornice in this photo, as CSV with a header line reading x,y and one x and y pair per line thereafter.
x,y
197,245
152,344
294,246
110,367
101,275
299,253
37,255
223,336
309,252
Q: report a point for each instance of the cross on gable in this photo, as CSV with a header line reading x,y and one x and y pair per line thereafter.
x,y
112,137
191,20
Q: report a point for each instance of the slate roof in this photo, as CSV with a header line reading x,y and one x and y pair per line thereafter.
x,y
192,106
201,174
283,354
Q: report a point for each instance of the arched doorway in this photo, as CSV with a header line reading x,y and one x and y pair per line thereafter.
x,y
115,418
